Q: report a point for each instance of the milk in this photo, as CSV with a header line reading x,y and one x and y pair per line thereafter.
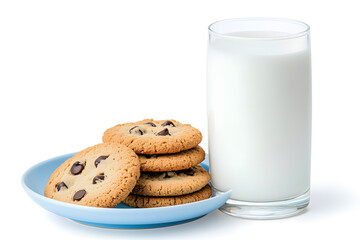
x,y
259,115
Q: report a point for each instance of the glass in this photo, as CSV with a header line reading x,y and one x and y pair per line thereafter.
x,y
259,115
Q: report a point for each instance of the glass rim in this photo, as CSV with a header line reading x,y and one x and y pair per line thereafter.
x,y
289,36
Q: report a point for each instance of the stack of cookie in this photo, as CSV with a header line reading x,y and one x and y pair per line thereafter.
x,y
169,156
157,167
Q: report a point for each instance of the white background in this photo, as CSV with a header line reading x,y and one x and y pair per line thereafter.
x,y
71,69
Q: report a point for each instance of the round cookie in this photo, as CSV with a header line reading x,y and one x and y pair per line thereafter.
x,y
172,162
99,176
149,202
171,183
154,137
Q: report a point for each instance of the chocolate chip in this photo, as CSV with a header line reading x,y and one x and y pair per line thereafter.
x,y
148,156
79,195
98,178
151,124
168,123
99,159
60,185
163,132
132,128
77,168
136,130
189,172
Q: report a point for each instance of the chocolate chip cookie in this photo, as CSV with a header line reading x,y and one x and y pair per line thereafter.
x,y
149,202
99,176
171,183
172,162
154,137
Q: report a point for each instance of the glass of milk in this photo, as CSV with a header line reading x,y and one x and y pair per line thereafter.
x,y
259,115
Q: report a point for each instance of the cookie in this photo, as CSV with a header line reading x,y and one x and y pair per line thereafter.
x,y
172,162
154,137
171,183
99,176
150,202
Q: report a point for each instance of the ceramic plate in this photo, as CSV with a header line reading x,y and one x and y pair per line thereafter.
x,y
35,179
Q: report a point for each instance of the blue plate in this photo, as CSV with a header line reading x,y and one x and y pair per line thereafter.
x,y
35,179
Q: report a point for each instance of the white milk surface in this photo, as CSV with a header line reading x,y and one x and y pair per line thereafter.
x,y
259,116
